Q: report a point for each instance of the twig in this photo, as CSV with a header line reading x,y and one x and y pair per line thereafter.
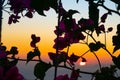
x,y
68,49
107,51
3,2
109,9
85,53
54,65
22,59
7,11
105,39
97,60
59,5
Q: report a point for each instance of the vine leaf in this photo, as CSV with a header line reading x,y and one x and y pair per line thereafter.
x,y
62,57
7,63
31,54
44,5
52,55
86,24
53,4
115,40
13,51
71,12
57,59
95,46
40,69
13,63
40,6
75,74
116,61
116,48
104,17
73,58
109,29
94,13
107,73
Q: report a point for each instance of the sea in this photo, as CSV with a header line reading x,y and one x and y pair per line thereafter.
x,y
27,70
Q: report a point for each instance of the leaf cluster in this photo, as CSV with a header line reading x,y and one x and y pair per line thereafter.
x,y
116,39
44,5
67,32
96,46
107,73
4,61
40,69
33,54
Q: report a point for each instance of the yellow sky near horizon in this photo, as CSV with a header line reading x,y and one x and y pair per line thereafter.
x,y
19,34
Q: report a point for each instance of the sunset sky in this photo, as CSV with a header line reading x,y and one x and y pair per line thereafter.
x,y
19,34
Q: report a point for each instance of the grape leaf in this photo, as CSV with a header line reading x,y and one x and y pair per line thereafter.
x,y
73,58
115,40
52,55
71,12
57,59
40,69
31,54
40,6
86,24
43,5
93,13
104,17
118,29
13,51
7,63
62,57
53,4
68,15
13,63
95,46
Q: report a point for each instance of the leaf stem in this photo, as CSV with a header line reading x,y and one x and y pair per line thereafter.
x,y
107,51
68,49
98,61
54,65
59,5
84,53
109,9
105,39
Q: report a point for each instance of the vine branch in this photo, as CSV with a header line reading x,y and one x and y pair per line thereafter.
x,y
109,9
98,60
54,65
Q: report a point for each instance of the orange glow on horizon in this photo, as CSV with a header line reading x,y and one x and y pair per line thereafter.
x,y
19,35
